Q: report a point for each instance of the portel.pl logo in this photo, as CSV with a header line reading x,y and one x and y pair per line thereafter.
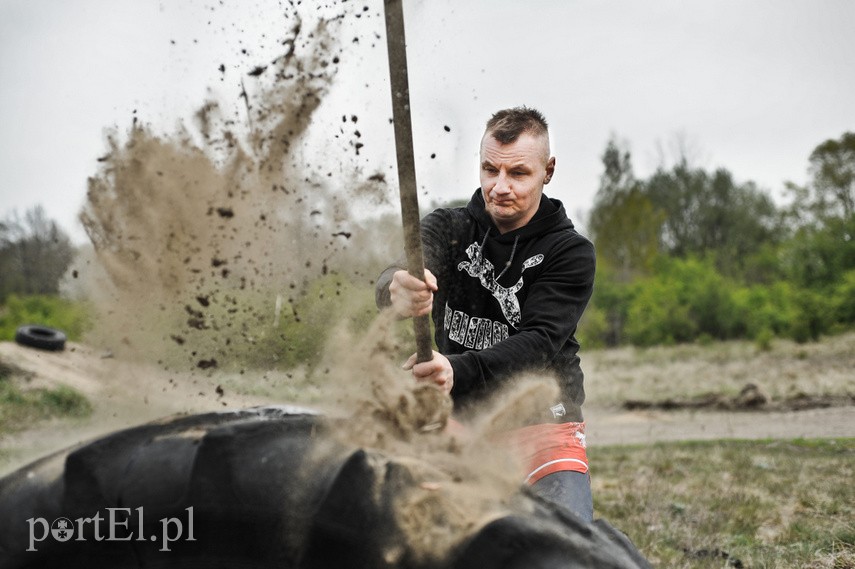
x,y
115,525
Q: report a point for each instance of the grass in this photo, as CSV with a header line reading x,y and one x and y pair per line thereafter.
x,y
21,408
757,504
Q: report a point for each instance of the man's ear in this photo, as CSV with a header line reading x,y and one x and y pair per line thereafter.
x,y
550,170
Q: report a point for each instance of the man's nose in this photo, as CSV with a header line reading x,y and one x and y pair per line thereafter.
x,y
502,185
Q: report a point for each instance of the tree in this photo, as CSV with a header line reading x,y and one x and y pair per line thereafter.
x,y
681,211
618,176
710,215
818,256
735,222
832,167
678,195
623,221
830,191
34,254
821,248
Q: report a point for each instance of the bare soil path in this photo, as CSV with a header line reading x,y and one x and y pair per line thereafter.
x,y
122,394
764,386
610,427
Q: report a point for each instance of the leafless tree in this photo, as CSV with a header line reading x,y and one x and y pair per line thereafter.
x,y
34,253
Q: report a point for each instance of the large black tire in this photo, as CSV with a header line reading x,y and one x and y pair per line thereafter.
x,y
40,337
267,489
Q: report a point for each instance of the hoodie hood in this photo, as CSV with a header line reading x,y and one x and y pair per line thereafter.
x,y
550,216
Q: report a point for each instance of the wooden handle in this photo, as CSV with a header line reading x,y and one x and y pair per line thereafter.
x,y
396,45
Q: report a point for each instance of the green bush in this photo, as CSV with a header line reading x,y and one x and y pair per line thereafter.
x,y
73,318
766,310
685,299
819,256
657,316
813,316
593,328
604,321
688,300
843,299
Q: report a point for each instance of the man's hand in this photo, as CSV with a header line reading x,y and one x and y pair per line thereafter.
x,y
410,296
437,371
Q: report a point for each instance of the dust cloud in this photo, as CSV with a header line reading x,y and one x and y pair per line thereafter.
x,y
210,244
206,238
467,473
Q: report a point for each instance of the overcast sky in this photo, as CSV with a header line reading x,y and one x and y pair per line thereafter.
x,y
752,85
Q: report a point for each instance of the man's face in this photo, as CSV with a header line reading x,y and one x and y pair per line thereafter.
x,y
512,178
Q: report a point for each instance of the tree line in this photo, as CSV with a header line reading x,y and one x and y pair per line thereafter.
x,y
34,254
689,254
685,254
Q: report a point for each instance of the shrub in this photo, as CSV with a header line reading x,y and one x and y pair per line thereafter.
x,y
843,299
604,321
593,328
765,309
657,316
328,302
686,298
813,316
73,318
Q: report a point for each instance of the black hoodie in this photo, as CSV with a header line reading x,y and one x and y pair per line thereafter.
x,y
506,303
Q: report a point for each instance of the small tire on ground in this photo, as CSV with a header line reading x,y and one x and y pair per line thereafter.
x,y
40,337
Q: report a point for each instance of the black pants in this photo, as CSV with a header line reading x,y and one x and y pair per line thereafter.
x,y
569,489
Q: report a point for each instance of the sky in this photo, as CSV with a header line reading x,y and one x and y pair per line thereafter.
x,y
748,85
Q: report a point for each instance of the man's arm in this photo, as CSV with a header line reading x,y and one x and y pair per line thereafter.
x,y
407,295
434,233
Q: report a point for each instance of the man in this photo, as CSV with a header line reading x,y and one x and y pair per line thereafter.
x,y
507,279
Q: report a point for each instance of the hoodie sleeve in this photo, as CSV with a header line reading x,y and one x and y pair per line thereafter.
x,y
549,318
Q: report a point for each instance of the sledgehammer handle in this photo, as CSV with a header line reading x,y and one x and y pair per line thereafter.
x,y
396,45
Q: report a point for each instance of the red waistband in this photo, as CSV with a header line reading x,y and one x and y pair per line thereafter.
x,y
549,448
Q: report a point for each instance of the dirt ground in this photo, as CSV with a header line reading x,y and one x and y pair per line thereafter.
x,y
125,394
122,394
723,390
609,427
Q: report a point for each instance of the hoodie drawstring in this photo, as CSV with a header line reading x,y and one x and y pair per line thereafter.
x,y
510,260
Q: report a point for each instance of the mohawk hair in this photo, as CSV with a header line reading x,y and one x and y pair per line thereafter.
x,y
508,124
